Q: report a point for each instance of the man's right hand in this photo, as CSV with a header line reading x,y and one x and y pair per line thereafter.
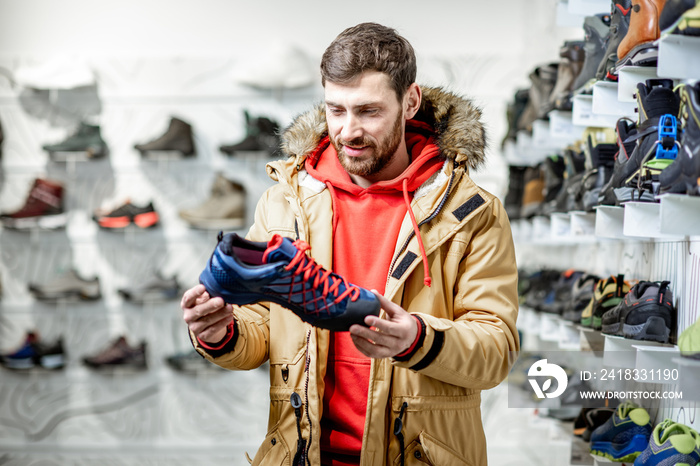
x,y
206,317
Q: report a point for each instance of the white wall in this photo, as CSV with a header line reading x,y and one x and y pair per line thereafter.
x,y
482,48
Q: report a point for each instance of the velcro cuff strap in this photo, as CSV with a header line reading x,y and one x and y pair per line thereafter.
x,y
433,352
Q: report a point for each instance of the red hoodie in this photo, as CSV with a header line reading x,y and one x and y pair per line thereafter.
x,y
366,225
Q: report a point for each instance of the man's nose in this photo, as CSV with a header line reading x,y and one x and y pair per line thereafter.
x,y
352,128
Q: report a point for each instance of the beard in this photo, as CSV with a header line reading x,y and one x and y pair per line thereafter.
x,y
384,151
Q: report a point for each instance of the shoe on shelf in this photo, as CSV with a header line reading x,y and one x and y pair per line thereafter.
x,y
672,12
533,192
646,313
127,214
624,436
87,138
689,341
572,56
596,29
656,99
225,209
177,138
590,419
619,25
155,290
68,285
279,271
600,155
637,48
561,292
514,110
689,22
34,354
608,293
554,168
119,354
262,134
682,175
581,294
42,209
671,443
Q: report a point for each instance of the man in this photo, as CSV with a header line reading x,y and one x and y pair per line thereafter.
x,y
377,183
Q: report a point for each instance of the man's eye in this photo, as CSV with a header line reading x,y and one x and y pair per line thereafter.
x,y
335,111
369,111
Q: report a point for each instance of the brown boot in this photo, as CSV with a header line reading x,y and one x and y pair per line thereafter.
x,y
637,47
43,208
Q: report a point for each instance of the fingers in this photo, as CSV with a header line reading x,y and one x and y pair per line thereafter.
x,y
192,295
389,307
370,350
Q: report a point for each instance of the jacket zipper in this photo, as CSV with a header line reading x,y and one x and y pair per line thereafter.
x,y
437,210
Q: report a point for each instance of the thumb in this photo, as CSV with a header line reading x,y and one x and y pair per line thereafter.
x,y
391,309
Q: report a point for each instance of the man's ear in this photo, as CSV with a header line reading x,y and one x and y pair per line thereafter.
x,y
412,100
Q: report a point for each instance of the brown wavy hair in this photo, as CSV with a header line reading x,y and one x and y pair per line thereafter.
x,y
370,47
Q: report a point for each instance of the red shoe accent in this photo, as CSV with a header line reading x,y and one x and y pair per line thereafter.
x,y
146,220
114,222
625,12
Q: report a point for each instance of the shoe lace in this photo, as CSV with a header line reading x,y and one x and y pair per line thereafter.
x,y
321,277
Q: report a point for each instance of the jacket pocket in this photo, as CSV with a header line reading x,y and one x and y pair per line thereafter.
x,y
414,455
287,336
273,451
438,453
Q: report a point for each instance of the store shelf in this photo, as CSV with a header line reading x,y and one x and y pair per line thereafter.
x,y
562,127
679,215
629,77
591,340
688,378
605,101
609,221
550,328
623,352
583,114
642,219
569,335
582,223
560,224
653,358
679,57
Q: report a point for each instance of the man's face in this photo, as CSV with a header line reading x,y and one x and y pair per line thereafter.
x,y
365,122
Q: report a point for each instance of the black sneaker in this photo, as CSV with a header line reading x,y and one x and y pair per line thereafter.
x,y
177,138
87,138
646,313
683,174
581,295
602,160
516,185
655,98
126,215
35,354
619,25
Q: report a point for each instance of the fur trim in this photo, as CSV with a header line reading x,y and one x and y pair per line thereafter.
x,y
457,122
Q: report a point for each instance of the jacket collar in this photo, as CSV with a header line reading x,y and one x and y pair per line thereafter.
x,y
459,133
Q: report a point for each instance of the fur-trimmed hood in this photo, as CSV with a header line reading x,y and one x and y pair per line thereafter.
x,y
460,135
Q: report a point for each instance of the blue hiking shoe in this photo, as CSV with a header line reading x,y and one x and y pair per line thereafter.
x,y
673,444
245,272
624,436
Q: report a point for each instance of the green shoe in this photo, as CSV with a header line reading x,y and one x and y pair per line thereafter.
x,y
689,341
87,138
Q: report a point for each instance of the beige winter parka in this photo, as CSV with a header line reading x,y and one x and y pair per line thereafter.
x,y
470,310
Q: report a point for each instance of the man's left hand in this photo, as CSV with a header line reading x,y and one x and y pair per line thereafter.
x,y
385,338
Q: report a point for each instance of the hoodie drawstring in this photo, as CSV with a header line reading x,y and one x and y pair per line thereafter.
x,y
421,246
335,216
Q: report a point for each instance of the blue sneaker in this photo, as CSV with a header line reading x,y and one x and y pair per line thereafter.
x,y
34,354
673,444
245,272
624,436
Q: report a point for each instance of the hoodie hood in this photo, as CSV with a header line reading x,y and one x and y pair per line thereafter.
x,y
455,120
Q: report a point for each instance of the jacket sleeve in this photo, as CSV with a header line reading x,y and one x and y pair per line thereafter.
x,y
249,348
478,347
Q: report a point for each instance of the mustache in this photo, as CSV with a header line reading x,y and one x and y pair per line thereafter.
x,y
357,142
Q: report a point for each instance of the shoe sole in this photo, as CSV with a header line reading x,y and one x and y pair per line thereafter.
x,y
339,323
621,453
626,194
44,222
654,329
